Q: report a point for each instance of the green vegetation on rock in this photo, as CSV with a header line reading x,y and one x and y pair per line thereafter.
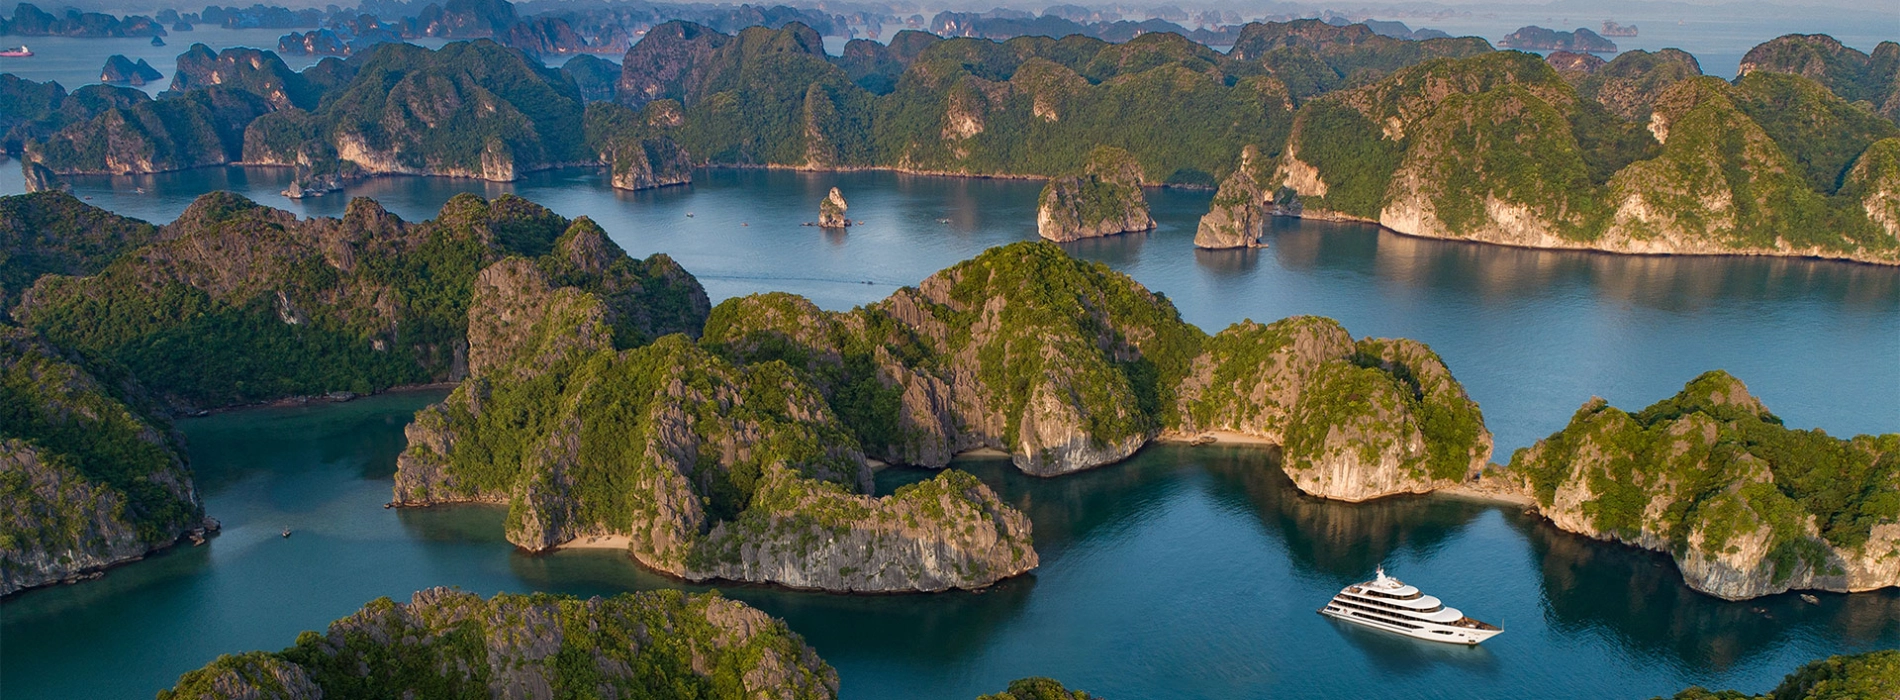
x,y
238,302
90,471
55,233
450,644
1104,199
1037,689
1747,506
1865,676
711,469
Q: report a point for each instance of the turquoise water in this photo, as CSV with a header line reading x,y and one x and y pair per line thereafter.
x,y
1182,573
1532,334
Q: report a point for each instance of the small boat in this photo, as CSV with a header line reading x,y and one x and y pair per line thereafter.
x,y
286,532
21,52
1386,603
1810,599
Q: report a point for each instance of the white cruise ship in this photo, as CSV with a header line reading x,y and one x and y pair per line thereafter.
x,y
1389,604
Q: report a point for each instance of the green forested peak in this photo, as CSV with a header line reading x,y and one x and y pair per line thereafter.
x,y
1716,394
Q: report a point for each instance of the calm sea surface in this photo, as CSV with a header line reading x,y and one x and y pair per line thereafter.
x,y
1182,573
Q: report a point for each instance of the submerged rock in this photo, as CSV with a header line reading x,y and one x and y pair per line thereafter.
x,y
831,211
1103,200
1746,506
1238,215
447,643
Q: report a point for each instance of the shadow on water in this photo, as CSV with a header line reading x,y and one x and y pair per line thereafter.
x,y
1231,262
1675,283
1341,541
1394,654
1069,509
1119,250
1639,597
229,447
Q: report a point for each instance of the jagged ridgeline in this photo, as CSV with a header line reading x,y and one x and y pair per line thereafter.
x,y
1747,506
710,469
1639,155
236,302
55,233
90,471
446,643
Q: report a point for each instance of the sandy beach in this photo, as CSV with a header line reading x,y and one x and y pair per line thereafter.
x,y
597,542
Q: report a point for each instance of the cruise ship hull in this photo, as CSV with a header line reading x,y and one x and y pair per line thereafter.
x,y
1435,633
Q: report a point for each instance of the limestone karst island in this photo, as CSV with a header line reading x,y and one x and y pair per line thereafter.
x,y
882,350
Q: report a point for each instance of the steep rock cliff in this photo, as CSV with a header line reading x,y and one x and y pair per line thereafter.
x,y
447,643
711,470
1064,364
1237,216
237,302
91,476
1746,506
1356,421
1874,182
831,211
53,232
1103,200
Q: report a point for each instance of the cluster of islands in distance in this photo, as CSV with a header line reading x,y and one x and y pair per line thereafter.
x,y
601,398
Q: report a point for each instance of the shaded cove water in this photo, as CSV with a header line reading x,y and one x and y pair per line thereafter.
x,y
1532,334
1185,572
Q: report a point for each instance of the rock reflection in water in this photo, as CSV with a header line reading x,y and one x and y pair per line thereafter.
x,y
1228,262
1640,597
1342,541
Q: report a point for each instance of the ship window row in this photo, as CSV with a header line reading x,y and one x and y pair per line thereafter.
x,y
1401,608
1414,596
1406,625
1355,606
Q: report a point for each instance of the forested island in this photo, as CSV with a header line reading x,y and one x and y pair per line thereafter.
x,y
747,454
1441,137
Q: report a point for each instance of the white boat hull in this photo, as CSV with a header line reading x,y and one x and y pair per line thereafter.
x,y
1432,633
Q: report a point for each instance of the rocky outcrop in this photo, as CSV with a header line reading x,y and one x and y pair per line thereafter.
x,y
1063,364
53,232
711,470
254,71
831,211
1356,421
1237,217
39,178
142,135
1746,506
94,478
1874,182
1535,38
409,110
1037,689
355,304
670,60
1630,85
119,69
1847,72
649,163
948,532
448,643
1103,200
1872,674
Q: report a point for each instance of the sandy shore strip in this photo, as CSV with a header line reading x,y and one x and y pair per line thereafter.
x,y
1481,492
597,542
1214,437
